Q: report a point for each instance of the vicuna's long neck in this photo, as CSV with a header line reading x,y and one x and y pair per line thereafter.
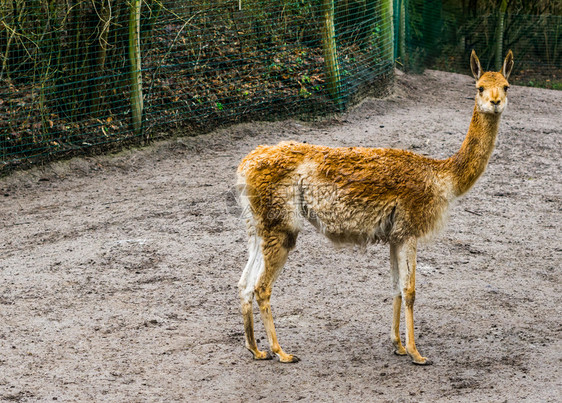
x,y
470,161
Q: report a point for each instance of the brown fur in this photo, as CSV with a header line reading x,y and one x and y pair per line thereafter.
x,y
358,195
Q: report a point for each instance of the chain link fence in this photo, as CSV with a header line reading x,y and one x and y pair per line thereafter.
x,y
91,75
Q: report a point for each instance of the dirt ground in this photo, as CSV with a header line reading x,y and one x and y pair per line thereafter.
x,y
118,274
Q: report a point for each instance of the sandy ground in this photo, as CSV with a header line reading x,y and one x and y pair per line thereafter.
x,y
118,274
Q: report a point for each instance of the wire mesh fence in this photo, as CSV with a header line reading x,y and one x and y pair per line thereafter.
x,y
87,75
441,35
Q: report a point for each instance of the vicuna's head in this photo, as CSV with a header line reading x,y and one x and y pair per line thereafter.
x,y
491,86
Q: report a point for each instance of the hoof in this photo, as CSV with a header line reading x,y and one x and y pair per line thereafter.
x,y
400,352
263,355
290,359
422,361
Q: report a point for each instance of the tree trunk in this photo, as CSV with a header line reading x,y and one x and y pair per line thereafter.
x,y
330,50
402,31
135,65
431,16
104,11
499,35
387,31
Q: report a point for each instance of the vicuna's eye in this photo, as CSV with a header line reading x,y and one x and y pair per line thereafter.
x,y
481,89
505,88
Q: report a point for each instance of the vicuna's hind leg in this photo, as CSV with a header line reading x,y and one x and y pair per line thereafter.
x,y
405,255
275,248
246,286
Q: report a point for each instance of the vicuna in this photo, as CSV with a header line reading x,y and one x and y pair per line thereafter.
x,y
358,195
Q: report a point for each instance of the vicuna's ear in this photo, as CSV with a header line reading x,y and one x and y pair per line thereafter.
x,y
475,65
507,65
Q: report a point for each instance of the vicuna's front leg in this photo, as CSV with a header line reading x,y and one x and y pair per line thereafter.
x,y
396,303
405,257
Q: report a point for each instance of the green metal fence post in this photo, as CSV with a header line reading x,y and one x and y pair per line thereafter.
x,y
135,63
